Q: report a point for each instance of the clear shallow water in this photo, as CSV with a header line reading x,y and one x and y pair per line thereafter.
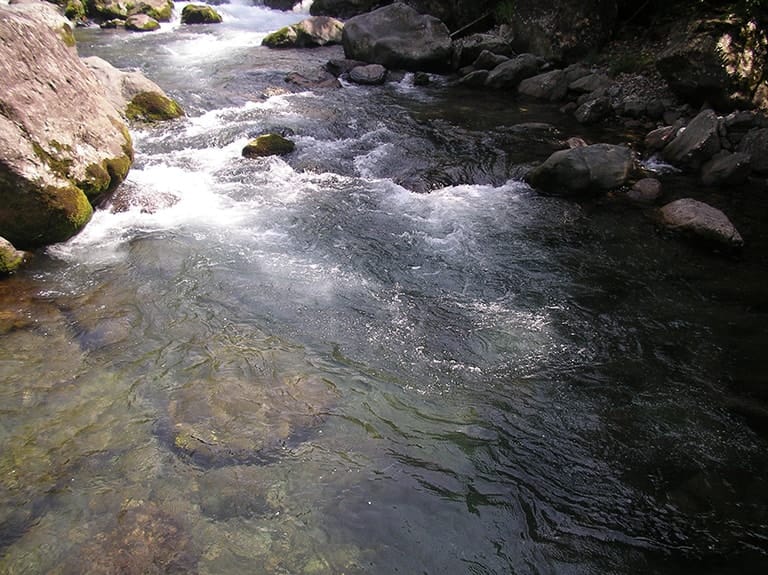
x,y
300,366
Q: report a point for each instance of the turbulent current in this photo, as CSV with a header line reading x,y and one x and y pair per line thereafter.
x,y
383,353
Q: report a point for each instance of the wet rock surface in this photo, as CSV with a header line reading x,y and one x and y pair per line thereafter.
x,y
229,420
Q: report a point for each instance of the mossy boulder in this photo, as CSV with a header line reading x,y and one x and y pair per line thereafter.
x,y
199,14
141,23
56,158
103,10
268,145
160,10
135,95
309,33
10,257
153,107
75,10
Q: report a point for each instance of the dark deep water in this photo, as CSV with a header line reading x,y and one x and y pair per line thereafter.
x,y
474,380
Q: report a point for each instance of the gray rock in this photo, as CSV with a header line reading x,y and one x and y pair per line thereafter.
x,y
593,111
701,221
309,33
583,169
726,168
509,74
122,87
62,143
487,60
397,36
696,143
468,49
475,79
372,74
646,190
141,23
633,106
755,143
590,83
657,139
552,86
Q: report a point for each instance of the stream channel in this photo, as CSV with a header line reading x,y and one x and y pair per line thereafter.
x,y
301,365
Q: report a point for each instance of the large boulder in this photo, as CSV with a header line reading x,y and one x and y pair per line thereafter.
x,y
701,221
583,169
719,61
397,36
696,143
131,92
62,143
311,32
49,15
563,30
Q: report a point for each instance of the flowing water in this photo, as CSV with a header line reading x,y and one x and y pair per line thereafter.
x,y
301,365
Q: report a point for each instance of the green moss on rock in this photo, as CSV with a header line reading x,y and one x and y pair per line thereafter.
x,y
268,145
282,38
153,107
199,14
10,258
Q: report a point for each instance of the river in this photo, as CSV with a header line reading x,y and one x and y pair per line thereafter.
x,y
300,365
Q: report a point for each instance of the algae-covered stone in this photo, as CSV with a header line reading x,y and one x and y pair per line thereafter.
x,y
160,10
54,156
10,257
268,145
141,23
153,107
199,14
311,32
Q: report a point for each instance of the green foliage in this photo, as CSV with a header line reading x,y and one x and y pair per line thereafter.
x,y
504,12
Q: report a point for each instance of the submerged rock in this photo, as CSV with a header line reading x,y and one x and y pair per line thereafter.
x,y
143,540
701,221
199,14
229,420
583,169
268,145
62,143
397,36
